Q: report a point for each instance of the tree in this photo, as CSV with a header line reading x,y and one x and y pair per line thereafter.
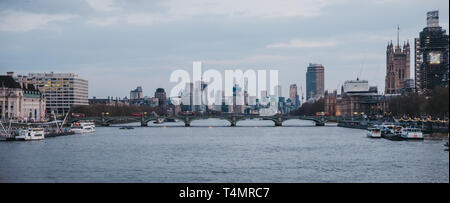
x,y
310,109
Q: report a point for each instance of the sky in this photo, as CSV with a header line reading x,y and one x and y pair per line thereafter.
x,y
118,45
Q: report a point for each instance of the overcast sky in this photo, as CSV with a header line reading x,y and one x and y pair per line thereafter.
x,y
119,44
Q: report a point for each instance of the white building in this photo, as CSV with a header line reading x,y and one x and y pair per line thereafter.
x,y
61,90
20,101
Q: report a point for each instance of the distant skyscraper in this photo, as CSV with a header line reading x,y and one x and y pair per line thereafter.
x,y
431,56
188,97
263,93
136,94
278,91
161,95
238,99
397,66
315,81
293,95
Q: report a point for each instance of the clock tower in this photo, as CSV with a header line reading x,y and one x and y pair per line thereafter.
x,y
431,56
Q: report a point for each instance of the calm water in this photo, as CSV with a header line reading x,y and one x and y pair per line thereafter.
x,y
297,152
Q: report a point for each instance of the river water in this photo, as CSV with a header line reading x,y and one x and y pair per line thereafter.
x,y
209,151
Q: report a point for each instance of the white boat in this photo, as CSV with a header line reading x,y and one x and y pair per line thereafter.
x,y
374,132
387,129
412,133
31,134
83,127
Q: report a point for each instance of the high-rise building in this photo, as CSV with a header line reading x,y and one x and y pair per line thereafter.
x,y
278,90
238,99
315,81
160,94
136,94
293,95
61,90
397,66
187,97
431,56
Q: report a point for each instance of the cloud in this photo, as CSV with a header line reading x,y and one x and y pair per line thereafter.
x,y
103,21
17,21
146,18
264,59
172,10
248,8
296,43
103,5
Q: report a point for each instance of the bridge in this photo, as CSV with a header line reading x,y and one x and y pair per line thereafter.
x,y
278,119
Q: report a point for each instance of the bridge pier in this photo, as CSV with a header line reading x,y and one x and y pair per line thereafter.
x,y
278,120
187,122
233,121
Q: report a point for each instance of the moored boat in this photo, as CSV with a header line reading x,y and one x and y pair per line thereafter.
x,y
31,134
393,132
374,132
83,127
386,129
411,133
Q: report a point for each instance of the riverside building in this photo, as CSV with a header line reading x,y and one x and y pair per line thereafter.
x,y
61,90
20,100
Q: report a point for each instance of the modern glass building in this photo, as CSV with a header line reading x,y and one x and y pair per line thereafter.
x,y
315,81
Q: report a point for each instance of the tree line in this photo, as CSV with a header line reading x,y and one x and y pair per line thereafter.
x,y
414,105
94,110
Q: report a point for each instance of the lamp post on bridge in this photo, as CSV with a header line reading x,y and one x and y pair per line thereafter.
x,y
104,114
143,116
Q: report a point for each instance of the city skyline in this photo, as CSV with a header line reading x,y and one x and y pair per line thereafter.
x,y
140,44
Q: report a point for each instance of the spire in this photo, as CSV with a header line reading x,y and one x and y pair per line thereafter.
x,y
398,36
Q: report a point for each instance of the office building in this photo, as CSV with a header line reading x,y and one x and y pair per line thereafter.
x,y
315,81
136,94
160,94
293,95
61,90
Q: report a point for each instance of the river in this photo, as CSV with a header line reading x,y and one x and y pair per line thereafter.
x,y
210,151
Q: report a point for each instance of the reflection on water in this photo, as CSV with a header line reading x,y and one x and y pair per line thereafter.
x,y
210,151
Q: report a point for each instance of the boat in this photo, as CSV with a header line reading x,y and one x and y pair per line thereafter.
x,y
126,128
395,134
83,127
374,132
386,129
411,133
54,132
31,134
